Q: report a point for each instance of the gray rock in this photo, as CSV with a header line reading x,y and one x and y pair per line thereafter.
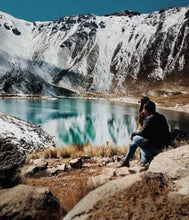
x,y
62,167
28,136
98,180
55,170
103,161
164,188
76,163
29,171
123,171
11,158
137,169
82,209
138,196
52,171
28,202
109,172
116,158
183,185
128,13
173,163
92,171
39,165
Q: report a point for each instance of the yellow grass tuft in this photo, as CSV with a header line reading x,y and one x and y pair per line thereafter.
x,y
104,151
74,151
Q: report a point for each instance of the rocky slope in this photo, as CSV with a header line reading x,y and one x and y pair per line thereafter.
x,y
27,136
162,192
23,201
122,53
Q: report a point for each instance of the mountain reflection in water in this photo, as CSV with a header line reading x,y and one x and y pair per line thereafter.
x,y
77,121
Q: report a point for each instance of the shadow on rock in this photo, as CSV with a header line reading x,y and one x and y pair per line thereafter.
x,y
11,158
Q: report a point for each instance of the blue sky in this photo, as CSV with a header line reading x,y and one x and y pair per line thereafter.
x,y
48,10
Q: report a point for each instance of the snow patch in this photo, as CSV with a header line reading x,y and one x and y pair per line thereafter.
x,y
29,137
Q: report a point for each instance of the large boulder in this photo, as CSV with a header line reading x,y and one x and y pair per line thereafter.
x,y
87,204
173,163
139,196
162,192
11,158
29,202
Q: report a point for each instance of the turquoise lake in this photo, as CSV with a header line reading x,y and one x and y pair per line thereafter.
x,y
78,121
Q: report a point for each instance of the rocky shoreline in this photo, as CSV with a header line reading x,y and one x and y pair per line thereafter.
x,y
174,103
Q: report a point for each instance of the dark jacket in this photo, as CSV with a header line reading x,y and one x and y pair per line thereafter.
x,y
155,131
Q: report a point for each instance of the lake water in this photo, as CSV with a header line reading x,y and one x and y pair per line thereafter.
x,y
77,121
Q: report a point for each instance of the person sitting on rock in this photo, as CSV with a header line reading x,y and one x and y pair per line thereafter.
x,y
151,139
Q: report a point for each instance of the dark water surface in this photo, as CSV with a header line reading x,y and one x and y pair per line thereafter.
x,y
77,121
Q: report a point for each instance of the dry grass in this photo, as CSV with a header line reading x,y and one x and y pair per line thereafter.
x,y
81,189
74,151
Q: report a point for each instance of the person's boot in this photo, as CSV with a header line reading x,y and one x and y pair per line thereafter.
x,y
145,164
124,164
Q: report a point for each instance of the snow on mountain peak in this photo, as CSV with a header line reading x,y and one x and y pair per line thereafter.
x,y
87,52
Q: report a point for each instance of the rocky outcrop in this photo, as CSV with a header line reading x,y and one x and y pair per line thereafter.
x,y
55,170
86,205
28,136
11,158
108,174
38,165
76,163
128,13
28,202
159,193
173,163
150,197
23,201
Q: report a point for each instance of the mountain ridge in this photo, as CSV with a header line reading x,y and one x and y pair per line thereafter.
x,y
121,53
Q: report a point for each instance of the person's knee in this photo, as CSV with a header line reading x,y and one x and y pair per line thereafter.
x,y
137,139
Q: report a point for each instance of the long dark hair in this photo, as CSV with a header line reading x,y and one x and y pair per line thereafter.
x,y
142,102
141,116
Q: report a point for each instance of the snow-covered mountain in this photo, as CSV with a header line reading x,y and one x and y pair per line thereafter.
x,y
119,53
